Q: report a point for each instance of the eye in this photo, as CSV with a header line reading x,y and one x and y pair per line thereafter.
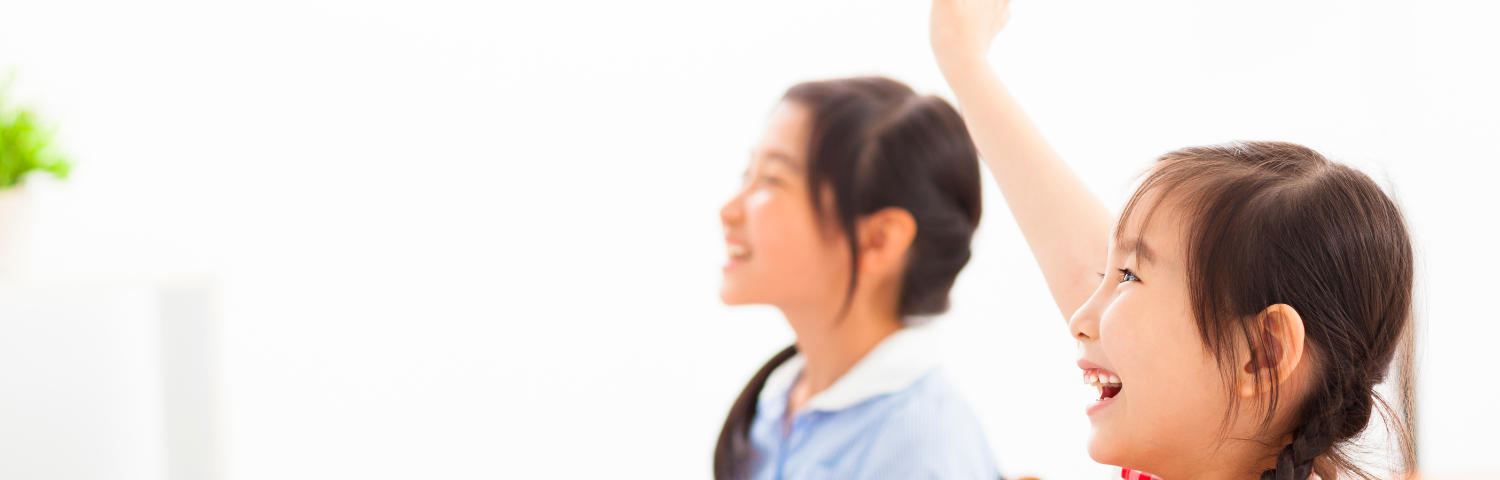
x,y
1128,276
769,180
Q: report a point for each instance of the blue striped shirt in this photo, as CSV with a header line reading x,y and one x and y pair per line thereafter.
x,y
892,416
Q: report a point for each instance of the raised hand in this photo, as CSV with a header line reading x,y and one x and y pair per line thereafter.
x,y
962,30
1066,226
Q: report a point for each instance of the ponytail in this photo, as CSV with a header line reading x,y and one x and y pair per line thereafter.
x,y
734,452
876,144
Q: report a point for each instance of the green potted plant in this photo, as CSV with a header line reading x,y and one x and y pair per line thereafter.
x,y
26,147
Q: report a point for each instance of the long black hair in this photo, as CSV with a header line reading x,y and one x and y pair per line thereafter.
x,y
876,144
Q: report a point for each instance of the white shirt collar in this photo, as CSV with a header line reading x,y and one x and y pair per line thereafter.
x,y
896,363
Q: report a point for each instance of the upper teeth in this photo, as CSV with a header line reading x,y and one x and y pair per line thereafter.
x,y
1099,378
736,250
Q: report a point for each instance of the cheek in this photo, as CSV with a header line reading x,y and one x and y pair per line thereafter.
x,y
787,247
1174,388
1126,333
775,230
1152,337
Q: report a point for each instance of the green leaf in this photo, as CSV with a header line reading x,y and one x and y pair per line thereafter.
x,y
26,146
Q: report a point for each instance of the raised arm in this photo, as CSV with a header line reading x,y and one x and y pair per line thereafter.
x,y
1065,224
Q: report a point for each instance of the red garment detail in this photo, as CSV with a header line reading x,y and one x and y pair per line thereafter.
x,y
1129,474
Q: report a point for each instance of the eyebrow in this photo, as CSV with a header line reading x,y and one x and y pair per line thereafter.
x,y
783,158
1139,248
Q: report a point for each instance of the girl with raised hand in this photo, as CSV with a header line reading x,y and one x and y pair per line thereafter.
x,y
1237,313
854,218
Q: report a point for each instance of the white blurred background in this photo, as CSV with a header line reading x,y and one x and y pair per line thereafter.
x,y
468,240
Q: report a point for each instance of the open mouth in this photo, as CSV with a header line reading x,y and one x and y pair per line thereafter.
x,y
1108,383
737,251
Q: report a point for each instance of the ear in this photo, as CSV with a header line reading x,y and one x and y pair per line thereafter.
x,y
884,238
1277,352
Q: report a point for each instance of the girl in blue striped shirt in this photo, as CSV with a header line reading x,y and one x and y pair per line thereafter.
x,y
854,218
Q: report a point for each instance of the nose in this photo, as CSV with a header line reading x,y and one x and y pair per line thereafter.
x,y
733,211
1084,325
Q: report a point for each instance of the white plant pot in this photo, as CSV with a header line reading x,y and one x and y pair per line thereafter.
x,y
14,206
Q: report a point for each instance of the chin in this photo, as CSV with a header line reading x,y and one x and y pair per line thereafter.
x,y
1107,447
730,295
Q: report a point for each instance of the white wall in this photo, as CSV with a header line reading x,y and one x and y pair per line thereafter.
x,y
469,241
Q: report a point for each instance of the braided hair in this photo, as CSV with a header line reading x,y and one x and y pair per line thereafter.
x,y
1276,223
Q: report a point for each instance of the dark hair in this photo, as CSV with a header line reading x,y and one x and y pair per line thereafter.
x,y
876,144
1276,223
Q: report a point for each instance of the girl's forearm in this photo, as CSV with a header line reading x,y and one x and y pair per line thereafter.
x,y
1064,223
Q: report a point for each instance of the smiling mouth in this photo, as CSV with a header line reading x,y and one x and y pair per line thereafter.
x,y
737,252
1108,383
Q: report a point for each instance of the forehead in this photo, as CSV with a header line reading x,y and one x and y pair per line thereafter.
x,y
1154,232
787,134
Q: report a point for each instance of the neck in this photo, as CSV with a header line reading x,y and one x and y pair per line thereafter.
x,y
833,345
1228,461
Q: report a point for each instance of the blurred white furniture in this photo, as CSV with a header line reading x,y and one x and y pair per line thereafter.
x,y
108,382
